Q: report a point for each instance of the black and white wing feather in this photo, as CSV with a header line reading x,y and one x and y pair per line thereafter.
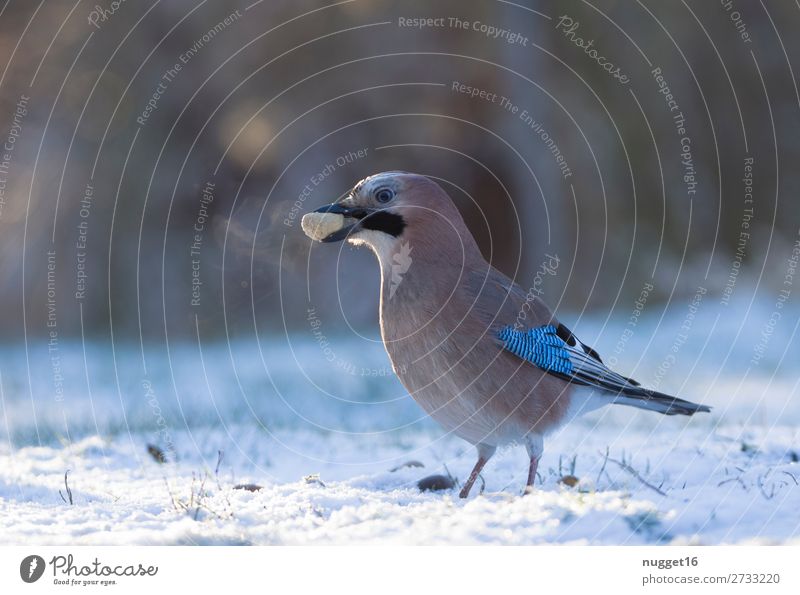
x,y
557,351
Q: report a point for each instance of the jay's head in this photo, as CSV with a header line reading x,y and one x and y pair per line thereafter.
x,y
384,210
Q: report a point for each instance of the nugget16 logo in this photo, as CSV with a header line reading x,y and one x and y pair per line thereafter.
x,y
31,568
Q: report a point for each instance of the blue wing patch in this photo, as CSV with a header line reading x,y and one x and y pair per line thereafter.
x,y
541,346
562,355
546,349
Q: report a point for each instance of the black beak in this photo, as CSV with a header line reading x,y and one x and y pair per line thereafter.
x,y
353,218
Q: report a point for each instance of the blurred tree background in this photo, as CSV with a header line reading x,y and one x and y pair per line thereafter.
x,y
160,154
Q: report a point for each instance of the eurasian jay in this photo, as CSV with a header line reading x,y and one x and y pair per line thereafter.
x,y
486,359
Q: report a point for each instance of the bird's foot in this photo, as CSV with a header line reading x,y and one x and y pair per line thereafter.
x,y
531,475
472,477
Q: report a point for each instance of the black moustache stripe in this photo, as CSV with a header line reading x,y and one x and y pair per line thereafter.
x,y
385,222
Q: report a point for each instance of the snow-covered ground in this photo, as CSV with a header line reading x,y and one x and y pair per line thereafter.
x,y
714,491
321,441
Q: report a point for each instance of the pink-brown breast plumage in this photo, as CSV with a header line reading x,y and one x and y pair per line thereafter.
x,y
441,338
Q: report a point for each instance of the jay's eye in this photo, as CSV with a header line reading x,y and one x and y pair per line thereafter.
x,y
384,194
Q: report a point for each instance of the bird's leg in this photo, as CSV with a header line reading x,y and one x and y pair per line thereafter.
x,y
472,477
531,474
535,446
485,453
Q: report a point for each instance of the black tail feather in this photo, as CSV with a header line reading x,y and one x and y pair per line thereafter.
x,y
655,401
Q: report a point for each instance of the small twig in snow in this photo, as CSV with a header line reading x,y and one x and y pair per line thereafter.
x,y
739,479
603,468
220,456
446,470
626,467
171,495
66,486
762,490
